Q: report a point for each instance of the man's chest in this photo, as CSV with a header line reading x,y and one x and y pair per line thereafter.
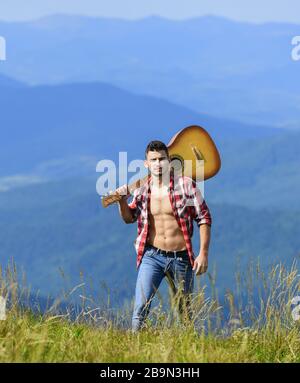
x,y
160,202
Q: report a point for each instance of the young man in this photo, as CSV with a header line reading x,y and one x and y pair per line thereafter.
x,y
165,207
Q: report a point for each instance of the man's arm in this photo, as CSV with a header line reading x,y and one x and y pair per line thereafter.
x,y
203,219
127,212
204,237
201,262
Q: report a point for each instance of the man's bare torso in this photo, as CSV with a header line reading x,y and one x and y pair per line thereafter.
x,y
164,231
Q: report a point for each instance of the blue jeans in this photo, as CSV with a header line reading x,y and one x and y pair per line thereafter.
x,y
152,269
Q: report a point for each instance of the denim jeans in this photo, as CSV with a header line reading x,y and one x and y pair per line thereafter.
x,y
151,271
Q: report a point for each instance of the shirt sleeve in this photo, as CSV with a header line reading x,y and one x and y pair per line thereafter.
x,y
200,211
133,205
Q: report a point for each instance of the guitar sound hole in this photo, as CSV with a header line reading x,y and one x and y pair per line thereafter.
x,y
177,164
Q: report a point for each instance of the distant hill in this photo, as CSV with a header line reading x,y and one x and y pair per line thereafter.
x,y
114,85
46,123
259,173
8,82
54,132
56,231
213,65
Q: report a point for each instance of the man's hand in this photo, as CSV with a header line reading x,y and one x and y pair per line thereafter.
x,y
201,262
122,192
125,211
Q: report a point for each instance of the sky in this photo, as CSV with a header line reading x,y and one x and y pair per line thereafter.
x,y
257,11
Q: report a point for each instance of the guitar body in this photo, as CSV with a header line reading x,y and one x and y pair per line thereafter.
x,y
191,143
194,143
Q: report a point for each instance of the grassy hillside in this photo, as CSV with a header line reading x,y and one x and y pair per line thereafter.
x,y
27,339
271,336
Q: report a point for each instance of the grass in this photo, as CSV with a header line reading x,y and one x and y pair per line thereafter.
x,y
265,329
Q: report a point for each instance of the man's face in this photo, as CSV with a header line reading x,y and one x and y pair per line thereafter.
x,y
157,162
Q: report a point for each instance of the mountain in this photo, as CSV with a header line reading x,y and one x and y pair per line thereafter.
x,y
44,124
8,82
261,172
63,237
54,132
229,69
125,83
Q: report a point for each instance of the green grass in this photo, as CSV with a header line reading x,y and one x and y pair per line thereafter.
x,y
273,336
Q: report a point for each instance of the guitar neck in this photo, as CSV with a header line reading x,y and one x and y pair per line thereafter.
x,y
114,197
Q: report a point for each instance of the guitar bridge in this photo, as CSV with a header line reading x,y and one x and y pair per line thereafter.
x,y
199,156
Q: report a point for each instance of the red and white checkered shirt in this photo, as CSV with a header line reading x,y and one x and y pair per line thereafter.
x,y
187,204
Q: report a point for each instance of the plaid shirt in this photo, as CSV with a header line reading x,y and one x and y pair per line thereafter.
x,y
187,204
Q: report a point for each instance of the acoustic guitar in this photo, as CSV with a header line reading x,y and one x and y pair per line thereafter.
x,y
191,143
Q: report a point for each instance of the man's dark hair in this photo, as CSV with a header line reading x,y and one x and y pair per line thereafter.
x,y
156,146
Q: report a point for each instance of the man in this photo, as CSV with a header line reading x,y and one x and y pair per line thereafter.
x,y
165,207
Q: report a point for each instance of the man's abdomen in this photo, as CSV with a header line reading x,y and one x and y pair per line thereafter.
x,y
165,233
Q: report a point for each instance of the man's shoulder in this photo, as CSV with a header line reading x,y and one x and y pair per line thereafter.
x,y
187,179
139,192
183,180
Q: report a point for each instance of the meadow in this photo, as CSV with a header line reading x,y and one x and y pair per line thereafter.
x,y
262,325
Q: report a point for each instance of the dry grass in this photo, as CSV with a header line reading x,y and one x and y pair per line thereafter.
x,y
268,333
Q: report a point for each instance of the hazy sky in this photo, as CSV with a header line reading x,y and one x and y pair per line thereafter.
x,y
244,10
